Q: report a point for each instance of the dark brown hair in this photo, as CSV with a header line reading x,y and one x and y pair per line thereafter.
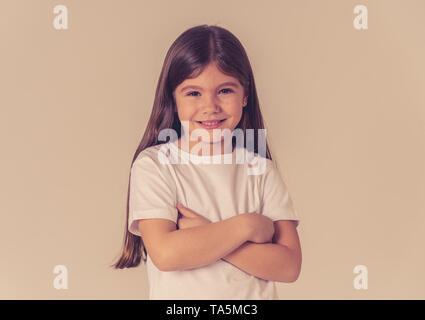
x,y
189,54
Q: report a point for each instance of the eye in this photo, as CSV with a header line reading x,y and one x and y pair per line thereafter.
x,y
230,90
194,93
190,93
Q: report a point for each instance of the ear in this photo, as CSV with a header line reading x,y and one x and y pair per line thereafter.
x,y
245,101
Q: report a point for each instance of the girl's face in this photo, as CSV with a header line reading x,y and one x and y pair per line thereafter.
x,y
210,96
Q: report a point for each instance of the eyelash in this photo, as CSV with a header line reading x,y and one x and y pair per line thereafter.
x,y
189,93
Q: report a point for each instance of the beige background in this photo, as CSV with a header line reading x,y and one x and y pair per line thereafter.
x,y
344,110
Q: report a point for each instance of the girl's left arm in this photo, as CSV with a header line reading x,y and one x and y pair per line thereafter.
x,y
279,260
276,261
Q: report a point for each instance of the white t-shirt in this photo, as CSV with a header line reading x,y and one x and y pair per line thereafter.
x,y
216,191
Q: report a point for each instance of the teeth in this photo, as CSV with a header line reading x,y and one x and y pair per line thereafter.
x,y
210,123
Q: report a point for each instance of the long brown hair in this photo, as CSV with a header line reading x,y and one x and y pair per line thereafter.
x,y
189,54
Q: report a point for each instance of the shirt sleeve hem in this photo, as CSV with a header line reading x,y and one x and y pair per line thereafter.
x,y
170,214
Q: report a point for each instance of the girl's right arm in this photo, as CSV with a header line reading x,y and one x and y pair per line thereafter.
x,y
182,249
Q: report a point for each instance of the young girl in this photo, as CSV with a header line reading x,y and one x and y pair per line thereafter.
x,y
208,230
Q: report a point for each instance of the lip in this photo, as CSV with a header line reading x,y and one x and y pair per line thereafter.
x,y
206,126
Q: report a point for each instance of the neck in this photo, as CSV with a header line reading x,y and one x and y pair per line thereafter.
x,y
198,147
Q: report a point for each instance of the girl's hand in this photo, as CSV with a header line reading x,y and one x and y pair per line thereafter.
x,y
260,228
189,218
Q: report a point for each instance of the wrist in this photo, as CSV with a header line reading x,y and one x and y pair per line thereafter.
x,y
244,226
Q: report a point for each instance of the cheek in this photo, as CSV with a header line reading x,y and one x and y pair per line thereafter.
x,y
235,111
185,110
234,105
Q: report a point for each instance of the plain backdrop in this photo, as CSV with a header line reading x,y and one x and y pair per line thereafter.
x,y
344,111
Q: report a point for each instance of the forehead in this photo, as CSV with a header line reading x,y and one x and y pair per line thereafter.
x,y
210,77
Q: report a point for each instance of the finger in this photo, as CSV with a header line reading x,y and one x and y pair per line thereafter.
x,y
180,222
186,211
184,223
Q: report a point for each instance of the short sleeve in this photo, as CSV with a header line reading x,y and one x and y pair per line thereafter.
x,y
276,200
152,193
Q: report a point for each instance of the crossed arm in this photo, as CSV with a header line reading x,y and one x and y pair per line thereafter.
x,y
277,261
204,243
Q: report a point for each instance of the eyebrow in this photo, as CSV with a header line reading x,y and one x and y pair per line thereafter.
x,y
229,83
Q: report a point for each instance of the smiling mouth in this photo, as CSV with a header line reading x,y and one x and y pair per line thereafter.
x,y
210,123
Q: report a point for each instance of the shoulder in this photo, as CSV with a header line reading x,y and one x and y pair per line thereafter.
x,y
151,157
148,168
270,173
258,165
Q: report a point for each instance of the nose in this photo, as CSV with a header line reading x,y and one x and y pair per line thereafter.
x,y
210,104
